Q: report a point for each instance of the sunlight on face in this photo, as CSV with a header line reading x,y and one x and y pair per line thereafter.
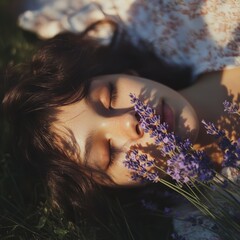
x,y
105,124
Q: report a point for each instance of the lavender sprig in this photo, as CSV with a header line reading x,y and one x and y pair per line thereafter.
x,y
140,164
188,166
184,164
232,108
230,149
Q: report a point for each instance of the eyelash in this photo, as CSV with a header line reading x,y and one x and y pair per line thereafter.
x,y
113,94
112,153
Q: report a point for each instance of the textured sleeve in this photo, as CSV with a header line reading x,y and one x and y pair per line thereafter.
x,y
190,224
202,34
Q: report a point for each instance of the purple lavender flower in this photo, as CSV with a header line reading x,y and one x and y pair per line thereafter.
x,y
206,170
238,147
185,145
212,129
152,177
226,144
230,148
188,167
232,108
146,113
231,159
140,164
184,164
177,168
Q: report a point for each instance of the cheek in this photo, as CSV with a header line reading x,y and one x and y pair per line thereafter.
x,y
124,88
120,174
146,90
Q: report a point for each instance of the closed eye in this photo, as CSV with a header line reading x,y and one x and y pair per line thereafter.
x,y
113,94
113,153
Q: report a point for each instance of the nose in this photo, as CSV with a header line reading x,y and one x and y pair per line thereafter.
x,y
125,125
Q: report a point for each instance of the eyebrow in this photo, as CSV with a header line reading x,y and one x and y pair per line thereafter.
x,y
88,146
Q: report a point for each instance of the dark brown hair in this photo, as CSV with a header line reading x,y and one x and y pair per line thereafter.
x,y
59,74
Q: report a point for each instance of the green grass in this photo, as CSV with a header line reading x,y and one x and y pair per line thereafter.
x,y
15,207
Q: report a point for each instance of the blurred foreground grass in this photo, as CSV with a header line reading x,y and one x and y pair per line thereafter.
x,y
15,207
24,209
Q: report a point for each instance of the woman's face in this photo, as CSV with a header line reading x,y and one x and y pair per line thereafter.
x,y
105,124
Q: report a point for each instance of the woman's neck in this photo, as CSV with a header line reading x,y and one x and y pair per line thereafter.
x,y
207,96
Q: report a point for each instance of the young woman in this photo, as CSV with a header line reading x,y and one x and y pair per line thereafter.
x,y
65,71
72,116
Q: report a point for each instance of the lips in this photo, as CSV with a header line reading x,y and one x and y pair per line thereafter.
x,y
139,130
166,115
